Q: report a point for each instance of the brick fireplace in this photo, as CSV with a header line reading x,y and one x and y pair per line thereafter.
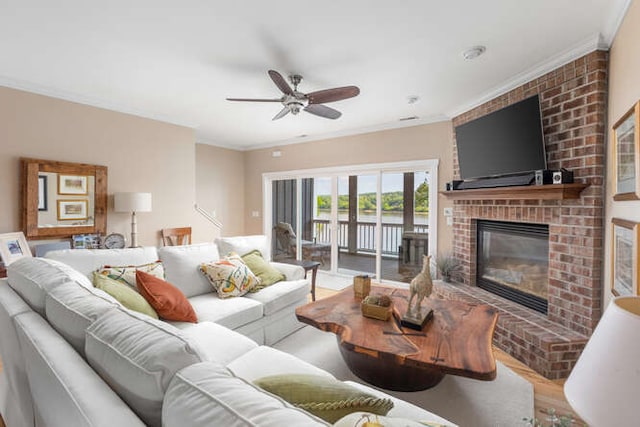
x,y
573,103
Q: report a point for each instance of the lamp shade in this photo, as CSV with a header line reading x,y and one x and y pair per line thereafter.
x,y
604,386
132,202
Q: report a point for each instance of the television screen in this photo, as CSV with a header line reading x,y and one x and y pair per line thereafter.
x,y
506,142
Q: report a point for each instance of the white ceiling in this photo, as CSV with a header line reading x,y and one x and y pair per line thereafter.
x,y
177,61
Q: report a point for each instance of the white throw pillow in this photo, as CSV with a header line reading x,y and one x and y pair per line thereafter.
x,y
245,244
182,266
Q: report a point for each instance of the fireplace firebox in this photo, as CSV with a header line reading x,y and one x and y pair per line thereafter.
x,y
513,261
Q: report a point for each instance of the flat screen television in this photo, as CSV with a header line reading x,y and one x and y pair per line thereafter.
x,y
506,142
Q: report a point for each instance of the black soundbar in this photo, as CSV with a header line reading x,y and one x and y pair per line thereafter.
x,y
501,181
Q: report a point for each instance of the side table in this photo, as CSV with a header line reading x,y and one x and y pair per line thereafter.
x,y
308,265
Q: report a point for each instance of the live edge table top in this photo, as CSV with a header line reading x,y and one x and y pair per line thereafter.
x,y
456,341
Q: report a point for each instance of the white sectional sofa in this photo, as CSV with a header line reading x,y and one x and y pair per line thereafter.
x,y
73,356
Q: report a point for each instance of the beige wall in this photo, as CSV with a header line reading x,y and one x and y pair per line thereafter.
x,y
141,154
220,186
432,141
624,91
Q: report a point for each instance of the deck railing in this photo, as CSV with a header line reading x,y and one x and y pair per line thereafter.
x,y
366,235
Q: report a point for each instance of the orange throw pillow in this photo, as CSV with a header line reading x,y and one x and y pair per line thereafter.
x,y
167,300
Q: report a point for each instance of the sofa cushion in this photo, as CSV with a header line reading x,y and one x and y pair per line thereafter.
x,y
260,267
229,276
127,273
263,361
276,297
87,261
14,371
205,394
244,244
71,308
166,299
66,391
230,312
182,266
324,397
32,278
218,343
137,356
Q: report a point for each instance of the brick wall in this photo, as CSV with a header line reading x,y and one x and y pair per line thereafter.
x,y
573,103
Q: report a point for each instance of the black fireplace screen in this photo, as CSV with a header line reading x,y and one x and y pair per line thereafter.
x,y
513,261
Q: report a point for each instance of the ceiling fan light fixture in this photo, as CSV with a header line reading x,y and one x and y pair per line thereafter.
x,y
473,52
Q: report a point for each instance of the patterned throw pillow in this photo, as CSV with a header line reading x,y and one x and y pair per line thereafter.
x,y
127,273
229,276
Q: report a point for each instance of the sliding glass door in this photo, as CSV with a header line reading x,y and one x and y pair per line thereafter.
x,y
372,220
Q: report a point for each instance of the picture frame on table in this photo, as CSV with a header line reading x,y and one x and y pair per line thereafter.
x,y
13,246
86,241
73,185
43,182
73,210
626,155
624,255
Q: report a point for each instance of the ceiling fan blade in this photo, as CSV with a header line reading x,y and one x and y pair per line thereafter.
x,y
280,82
281,114
332,95
254,100
322,111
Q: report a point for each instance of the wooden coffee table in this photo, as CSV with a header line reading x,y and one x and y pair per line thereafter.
x,y
456,341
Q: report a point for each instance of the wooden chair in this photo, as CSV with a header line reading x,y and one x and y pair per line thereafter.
x,y
176,236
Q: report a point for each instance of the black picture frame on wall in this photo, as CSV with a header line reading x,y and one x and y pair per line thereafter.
x,y
43,201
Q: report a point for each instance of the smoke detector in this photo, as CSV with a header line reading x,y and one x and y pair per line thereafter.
x,y
473,52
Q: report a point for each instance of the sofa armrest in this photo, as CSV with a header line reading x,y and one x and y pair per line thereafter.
x,y
291,272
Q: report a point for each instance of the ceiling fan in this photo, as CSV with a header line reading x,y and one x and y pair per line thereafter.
x,y
295,101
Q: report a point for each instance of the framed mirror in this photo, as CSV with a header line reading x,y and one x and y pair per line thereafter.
x,y
60,199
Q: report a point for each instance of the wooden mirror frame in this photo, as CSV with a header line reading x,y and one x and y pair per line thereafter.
x,y
30,170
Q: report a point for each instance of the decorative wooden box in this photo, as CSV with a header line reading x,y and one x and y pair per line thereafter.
x,y
361,286
375,311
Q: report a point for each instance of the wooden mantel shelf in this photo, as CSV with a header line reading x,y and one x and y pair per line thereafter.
x,y
525,192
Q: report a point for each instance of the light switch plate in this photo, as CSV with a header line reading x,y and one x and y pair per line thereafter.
x,y
255,214
448,211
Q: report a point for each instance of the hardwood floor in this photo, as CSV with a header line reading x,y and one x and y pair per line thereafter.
x,y
547,393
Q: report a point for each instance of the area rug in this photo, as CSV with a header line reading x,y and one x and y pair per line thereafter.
x,y
503,402
333,282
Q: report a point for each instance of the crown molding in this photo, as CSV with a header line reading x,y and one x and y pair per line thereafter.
x,y
594,42
85,100
614,22
348,132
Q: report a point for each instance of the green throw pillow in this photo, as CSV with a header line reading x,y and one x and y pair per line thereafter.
x,y
124,294
260,267
324,397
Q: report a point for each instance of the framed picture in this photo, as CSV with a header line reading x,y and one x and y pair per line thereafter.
x,y
13,246
72,210
86,241
72,184
624,253
42,192
626,136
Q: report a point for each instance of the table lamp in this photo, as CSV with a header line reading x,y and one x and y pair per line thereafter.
x,y
604,386
132,202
